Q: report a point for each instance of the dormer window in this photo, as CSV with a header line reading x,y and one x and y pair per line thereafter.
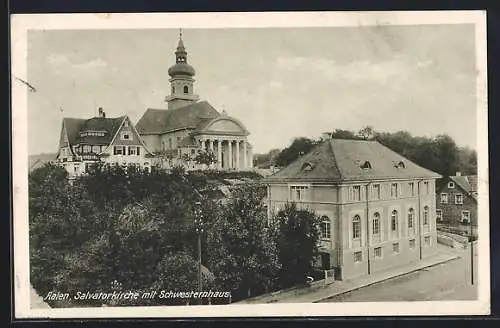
x,y
126,136
400,165
307,167
366,165
451,185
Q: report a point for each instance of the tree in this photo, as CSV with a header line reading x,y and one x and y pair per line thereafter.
x,y
205,157
447,151
366,133
297,244
299,147
467,159
82,241
343,134
242,250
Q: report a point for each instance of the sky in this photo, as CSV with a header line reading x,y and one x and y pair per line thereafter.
x,y
281,83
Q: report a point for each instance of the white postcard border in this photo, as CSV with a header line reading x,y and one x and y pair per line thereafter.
x,y
20,24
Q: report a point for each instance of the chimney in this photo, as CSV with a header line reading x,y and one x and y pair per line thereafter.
x,y
458,174
102,114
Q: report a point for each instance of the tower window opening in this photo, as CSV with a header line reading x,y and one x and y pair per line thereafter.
x,y
186,89
173,89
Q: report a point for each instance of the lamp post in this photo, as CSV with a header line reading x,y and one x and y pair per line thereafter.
x,y
198,223
471,246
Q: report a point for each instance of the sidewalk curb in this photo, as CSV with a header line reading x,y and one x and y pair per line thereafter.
x,y
388,278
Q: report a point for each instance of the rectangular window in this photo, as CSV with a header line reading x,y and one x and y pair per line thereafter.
x,y
411,187
376,191
358,257
427,240
465,216
426,187
395,247
451,185
412,243
298,193
356,193
439,215
126,136
459,199
138,150
118,150
131,150
394,190
444,198
377,252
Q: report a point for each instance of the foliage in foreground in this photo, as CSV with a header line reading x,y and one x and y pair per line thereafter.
x,y
123,229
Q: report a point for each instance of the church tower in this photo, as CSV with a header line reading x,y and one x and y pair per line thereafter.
x,y
181,79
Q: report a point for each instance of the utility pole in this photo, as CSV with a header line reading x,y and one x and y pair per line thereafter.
x,y
471,245
368,227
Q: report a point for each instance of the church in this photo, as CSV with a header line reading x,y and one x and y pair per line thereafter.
x,y
188,126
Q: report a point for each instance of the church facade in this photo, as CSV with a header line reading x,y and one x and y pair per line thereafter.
x,y
188,127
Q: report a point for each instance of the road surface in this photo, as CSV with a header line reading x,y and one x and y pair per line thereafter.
x,y
447,281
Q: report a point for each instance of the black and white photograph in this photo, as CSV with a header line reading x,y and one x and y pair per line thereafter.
x,y
250,164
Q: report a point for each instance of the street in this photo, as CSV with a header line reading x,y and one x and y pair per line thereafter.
x,y
447,281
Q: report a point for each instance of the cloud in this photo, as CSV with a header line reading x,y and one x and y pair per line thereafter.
x,y
355,71
61,63
426,63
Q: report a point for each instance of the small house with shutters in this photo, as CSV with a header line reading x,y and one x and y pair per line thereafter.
x,y
456,200
110,140
377,207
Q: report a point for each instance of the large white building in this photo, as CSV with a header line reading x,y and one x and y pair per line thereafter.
x,y
188,126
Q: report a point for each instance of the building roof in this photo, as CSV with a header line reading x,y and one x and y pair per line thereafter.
x,y
36,161
338,160
75,125
192,116
467,183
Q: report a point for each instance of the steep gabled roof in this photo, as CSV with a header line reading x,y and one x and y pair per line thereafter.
x,y
76,125
467,183
472,179
340,160
73,127
159,121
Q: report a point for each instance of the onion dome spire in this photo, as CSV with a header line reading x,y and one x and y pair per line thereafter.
x,y
181,67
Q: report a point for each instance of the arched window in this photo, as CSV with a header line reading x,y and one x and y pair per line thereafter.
x,y
170,143
173,89
376,224
163,145
325,228
394,220
186,89
411,217
356,227
366,165
426,215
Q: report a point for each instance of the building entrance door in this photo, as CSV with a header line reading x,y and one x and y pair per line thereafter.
x,y
325,261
